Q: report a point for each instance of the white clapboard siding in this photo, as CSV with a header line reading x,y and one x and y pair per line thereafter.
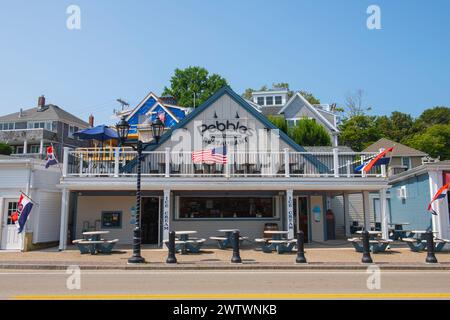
x,y
11,177
48,222
356,207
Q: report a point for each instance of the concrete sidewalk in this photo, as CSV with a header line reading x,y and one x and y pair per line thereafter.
x,y
211,258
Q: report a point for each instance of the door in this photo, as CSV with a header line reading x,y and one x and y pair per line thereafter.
x,y
150,220
11,239
301,216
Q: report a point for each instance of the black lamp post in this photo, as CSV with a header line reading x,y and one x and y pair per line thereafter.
x,y
123,128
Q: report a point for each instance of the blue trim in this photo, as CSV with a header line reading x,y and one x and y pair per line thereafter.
x,y
239,100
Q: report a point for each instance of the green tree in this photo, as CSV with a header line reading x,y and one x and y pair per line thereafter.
x,y
279,122
435,141
358,132
310,97
308,132
191,81
248,93
5,149
432,116
398,127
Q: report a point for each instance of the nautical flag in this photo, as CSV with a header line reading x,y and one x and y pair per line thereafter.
x,y
440,194
377,161
215,155
162,116
51,159
23,211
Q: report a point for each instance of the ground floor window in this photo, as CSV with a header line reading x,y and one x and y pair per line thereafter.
x,y
12,208
111,219
226,207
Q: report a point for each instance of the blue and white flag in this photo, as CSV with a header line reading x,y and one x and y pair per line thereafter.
x,y
23,211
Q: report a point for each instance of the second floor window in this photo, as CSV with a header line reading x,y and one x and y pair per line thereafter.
x,y
260,101
278,100
7,126
47,125
406,161
269,101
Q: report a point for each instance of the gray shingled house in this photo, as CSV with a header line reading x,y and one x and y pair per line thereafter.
x,y
30,131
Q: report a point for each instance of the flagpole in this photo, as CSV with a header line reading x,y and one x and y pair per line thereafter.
x,y
29,198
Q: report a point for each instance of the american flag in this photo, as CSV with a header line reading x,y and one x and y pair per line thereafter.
x,y
215,155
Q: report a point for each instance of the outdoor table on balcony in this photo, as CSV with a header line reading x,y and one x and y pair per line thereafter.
x,y
277,242
185,244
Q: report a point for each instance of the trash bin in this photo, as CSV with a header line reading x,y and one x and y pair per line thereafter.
x,y
330,225
270,226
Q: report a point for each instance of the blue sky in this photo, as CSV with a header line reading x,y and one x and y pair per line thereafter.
x,y
127,48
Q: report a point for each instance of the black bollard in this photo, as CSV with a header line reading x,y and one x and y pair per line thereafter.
x,y
236,257
366,258
171,256
300,248
431,258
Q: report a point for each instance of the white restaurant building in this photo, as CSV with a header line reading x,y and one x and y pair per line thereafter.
x,y
268,178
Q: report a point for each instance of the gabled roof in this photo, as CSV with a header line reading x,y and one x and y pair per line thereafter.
x,y
400,150
239,100
314,110
168,108
50,112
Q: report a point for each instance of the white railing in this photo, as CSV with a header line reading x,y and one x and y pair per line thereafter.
x,y
118,162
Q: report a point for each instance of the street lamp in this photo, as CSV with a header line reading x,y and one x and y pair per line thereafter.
x,y
123,128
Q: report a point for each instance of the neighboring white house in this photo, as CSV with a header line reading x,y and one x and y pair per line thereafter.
x,y
299,108
29,176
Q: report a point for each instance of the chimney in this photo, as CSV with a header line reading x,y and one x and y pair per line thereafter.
x,y
41,102
91,121
21,113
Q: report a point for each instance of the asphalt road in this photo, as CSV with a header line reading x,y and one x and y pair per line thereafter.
x,y
126,284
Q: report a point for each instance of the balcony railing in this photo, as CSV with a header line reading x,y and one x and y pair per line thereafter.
x,y
118,162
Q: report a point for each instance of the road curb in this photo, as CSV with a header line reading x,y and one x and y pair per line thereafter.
x,y
160,266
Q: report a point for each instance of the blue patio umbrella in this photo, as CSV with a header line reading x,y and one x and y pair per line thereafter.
x,y
100,133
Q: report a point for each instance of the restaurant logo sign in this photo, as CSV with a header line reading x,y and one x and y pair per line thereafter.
x,y
225,126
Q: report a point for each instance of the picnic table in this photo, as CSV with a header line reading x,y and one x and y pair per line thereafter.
x,y
93,243
397,230
227,240
277,242
417,243
185,244
376,244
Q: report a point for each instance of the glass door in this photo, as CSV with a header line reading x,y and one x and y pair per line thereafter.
x,y
301,216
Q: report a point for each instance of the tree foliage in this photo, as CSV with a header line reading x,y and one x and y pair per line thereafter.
x,y
279,122
308,132
359,131
310,97
435,141
193,80
5,149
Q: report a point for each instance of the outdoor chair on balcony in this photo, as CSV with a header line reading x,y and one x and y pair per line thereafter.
x,y
175,168
299,169
238,169
198,168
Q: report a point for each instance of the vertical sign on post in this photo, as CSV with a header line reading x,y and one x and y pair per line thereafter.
x,y
166,212
290,212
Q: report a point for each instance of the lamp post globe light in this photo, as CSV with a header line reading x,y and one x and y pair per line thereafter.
x,y
123,128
